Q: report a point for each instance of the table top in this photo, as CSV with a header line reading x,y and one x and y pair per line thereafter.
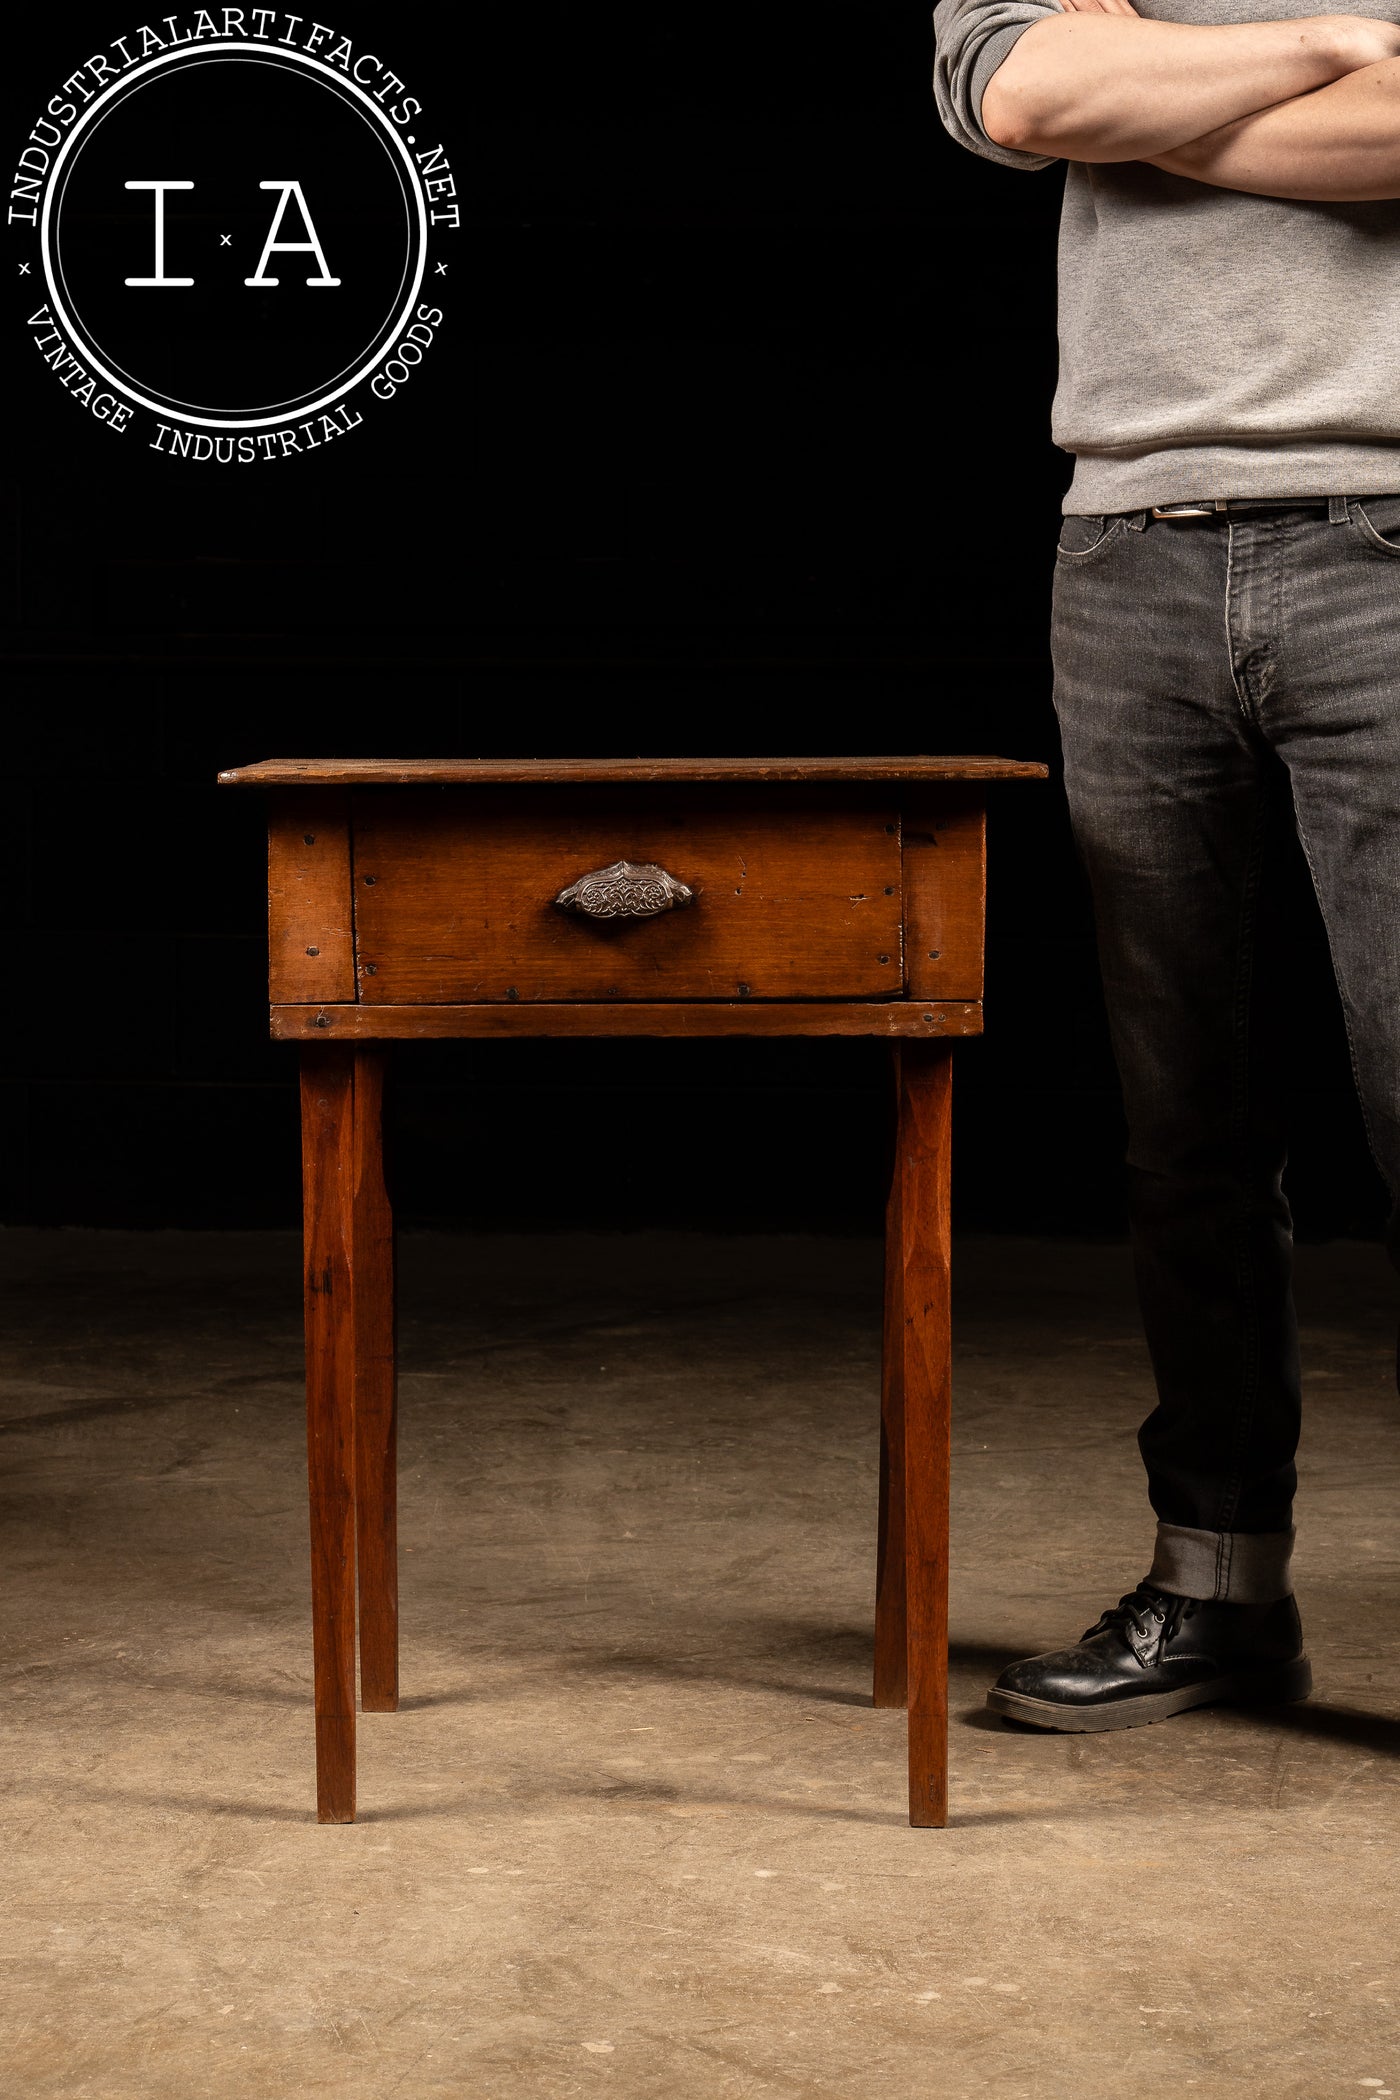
x,y
515,772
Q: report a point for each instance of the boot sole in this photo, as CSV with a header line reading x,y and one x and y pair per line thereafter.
x,y
1279,1686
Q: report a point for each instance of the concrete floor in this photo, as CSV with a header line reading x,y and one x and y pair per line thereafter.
x,y
638,1831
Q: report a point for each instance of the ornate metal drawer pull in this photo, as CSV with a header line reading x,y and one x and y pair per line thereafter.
x,y
626,890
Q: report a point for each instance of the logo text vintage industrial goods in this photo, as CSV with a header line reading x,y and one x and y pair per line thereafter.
x,y
232,235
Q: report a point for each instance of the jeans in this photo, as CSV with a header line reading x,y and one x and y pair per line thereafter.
x,y
1217,679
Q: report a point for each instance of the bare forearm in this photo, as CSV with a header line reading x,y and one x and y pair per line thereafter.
x,y
1341,145
1109,87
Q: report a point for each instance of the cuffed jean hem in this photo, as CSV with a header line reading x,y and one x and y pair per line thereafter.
x,y
1234,1567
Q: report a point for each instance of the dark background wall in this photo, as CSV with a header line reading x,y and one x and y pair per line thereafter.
x,y
736,440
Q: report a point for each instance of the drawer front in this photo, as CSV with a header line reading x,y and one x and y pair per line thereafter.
x,y
793,898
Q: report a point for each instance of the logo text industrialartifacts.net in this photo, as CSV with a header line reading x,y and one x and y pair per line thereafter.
x,y
230,227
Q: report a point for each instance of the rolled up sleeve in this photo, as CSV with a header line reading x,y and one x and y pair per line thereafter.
x,y
972,39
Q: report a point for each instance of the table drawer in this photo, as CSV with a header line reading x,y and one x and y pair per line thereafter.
x,y
455,897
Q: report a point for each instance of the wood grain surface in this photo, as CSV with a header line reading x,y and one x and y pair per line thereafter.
x,y
898,1017
311,948
376,1396
924,1158
891,1686
328,1163
945,892
455,897
364,772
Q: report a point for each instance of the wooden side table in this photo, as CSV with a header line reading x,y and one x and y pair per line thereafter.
x,y
666,897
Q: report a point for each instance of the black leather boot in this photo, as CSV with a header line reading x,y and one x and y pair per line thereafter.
x,y
1154,1655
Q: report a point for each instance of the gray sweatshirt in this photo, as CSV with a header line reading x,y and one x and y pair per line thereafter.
x,y
1211,343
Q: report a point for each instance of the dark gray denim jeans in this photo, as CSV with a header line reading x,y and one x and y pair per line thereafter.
x,y
1215,679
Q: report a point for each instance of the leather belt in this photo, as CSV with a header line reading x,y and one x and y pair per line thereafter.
x,y
1212,506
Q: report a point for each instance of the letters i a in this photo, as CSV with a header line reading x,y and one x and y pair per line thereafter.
x,y
273,245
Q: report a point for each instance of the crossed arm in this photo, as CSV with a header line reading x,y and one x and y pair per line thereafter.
x,y
1303,109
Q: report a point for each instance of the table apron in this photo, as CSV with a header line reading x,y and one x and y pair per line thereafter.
x,y
923,1019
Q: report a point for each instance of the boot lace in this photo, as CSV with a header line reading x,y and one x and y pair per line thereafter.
x,y
1146,1611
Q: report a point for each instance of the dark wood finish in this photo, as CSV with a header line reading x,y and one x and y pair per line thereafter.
x,y
925,1373
328,1163
945,893
517,772
454,897
891,1620
310,940
898,1018
376,1408
427,891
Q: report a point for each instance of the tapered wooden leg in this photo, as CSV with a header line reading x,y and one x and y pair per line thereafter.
x,y
891,1626
922,1174
376,1411
328,1184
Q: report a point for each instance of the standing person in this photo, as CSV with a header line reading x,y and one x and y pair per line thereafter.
x,y
1226,637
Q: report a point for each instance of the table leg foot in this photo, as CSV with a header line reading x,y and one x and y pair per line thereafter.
x,y
335,1768
928,1770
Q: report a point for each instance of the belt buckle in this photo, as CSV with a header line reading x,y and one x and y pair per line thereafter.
x,y
1186,510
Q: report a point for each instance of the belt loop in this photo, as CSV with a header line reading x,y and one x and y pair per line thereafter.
x,y
1137,521
1336,510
